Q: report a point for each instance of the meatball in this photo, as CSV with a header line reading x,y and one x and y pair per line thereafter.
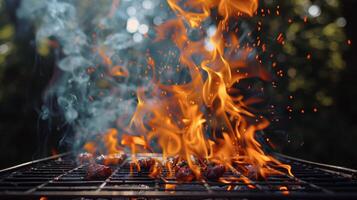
x,y
214,172
85,158
184,174
97,172
111,159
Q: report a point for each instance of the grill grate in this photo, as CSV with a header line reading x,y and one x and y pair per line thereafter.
x,y
60,177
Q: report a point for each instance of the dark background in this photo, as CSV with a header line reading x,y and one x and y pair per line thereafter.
x,y
327,134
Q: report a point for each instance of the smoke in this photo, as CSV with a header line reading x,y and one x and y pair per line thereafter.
x,y
95,38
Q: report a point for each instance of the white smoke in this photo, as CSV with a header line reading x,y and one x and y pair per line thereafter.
x,y
93,102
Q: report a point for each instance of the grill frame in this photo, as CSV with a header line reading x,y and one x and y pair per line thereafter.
x,y
306,176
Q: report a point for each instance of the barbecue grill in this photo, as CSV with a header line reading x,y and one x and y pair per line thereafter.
x,y
60,177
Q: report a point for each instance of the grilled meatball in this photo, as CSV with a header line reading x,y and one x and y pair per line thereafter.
x,y
111,159
215,171
184,174
85,158
146,163
97,172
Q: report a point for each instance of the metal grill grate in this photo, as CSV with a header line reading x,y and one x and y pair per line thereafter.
x,y
59,177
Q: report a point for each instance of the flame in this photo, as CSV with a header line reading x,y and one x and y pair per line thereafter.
x,y
206,118
170,186
133,142
233,179
110,140
118,71
177,120
155,170
90,147
114,70
226,8
284,190
106,59
229,8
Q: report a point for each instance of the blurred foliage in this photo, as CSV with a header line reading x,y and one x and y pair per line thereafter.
x,y
307,120
23,77
6,46
310,103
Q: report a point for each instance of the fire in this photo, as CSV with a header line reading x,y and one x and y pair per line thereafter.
x,y
169,187
206,118
114,70
118,71
90,147
234,179
284,190
111,141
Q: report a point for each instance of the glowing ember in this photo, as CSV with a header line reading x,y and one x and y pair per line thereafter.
x,y
284,190
349,42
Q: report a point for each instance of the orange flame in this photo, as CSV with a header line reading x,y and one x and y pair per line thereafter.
x,y
136,144
118,71
113,70
206,118
178,121
111,141
284,190
170,186
133,142
156,169
90,147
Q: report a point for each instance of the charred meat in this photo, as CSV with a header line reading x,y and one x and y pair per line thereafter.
x,y
214,171
97,172
111,159
183,172
146,163
85,158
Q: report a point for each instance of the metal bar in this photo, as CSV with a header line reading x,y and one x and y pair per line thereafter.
x,y
346,171
182,194
50,181
308,183
108,179
16,167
